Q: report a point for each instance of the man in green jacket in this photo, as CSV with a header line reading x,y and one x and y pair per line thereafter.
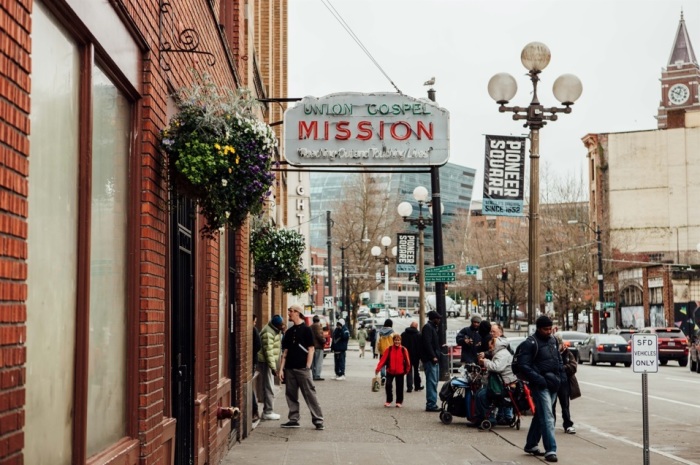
x,y
268,357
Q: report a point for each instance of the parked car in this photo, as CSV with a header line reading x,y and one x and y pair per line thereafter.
x,y
327,332
624,332
605,348
571,340
454,311
673,345
694,354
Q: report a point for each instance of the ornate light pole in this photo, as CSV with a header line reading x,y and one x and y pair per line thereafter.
x,y
567,89
377,252
405,209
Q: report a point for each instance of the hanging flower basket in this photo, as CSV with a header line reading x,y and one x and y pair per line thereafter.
x,y
219,153
277,257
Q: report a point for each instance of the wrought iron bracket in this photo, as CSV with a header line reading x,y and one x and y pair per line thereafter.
x,y
176,39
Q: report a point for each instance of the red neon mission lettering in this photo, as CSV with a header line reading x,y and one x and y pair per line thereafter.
x,y
400,130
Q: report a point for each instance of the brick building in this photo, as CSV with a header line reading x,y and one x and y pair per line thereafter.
x,y
122,330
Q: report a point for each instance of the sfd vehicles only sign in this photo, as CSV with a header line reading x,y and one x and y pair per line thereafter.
x,y
645,353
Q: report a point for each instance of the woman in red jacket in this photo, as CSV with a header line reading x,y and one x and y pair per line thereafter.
x,y
397,363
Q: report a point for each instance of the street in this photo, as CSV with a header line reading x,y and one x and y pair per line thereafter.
x,y
359,430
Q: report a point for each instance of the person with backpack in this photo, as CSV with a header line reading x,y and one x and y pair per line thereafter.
x,y
397,363
538,362
385,339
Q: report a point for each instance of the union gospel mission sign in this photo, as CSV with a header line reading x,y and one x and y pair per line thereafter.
x,y
504,176
355,129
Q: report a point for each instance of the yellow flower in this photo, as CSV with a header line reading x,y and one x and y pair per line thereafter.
x,y
217,146
238,159
230,170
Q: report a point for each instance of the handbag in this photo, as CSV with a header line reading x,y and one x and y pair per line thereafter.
x,y
376,383
495,385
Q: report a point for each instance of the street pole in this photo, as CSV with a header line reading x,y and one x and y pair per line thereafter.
x,y
330,266
601,291
342,282
567,89
421,279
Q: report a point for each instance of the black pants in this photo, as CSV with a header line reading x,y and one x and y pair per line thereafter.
x,y
413,376
399,388
563,396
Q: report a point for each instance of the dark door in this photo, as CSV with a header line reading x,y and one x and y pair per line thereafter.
x,y
233,302
182,273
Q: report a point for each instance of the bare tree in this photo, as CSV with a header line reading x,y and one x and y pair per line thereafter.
x,y
366,213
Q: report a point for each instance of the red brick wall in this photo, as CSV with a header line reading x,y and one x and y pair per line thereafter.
x,y
14,150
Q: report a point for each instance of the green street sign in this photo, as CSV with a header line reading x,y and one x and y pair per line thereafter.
x,y
610,304
442,278
437,269
441,274
471,270
376,305
548,296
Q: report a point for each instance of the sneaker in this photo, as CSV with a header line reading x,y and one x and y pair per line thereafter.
x,y
256,418
341,378
383,381
387,404
409,390
290,424
570,430
419,388
433,409
319,379
551,458
320,427
534,451
271,416
398,405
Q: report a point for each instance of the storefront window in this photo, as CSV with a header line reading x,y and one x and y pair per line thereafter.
x,y
52,244
108,306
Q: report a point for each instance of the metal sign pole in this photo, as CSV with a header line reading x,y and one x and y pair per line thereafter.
x,y
645,418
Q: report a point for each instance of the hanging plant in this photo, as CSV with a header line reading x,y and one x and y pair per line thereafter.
x,y
219,153
277,257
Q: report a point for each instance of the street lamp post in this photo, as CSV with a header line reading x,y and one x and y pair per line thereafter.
x,y
376,253
405,210
567,89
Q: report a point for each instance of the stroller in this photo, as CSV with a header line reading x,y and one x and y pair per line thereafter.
x,y
458,395
515,395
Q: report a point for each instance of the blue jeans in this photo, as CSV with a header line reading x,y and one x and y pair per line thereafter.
x,y
542,425
432,372
339,358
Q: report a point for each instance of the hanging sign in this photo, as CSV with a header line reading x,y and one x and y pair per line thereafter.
x,y
356,129
504,176
406,249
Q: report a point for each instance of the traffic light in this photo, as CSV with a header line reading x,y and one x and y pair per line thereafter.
x,y
504,274
606,314
383,278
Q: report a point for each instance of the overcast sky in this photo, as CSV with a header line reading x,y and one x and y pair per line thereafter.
x,y
616,47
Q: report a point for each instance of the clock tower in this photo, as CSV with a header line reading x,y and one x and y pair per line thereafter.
x,y
680,82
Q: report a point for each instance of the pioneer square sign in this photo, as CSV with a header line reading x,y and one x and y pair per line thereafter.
x,y
354,129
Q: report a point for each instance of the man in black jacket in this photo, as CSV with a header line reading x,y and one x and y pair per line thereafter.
x,y
542,367
430,355
470,340
410,339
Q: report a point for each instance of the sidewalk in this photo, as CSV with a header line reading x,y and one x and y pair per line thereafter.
x,y
359,430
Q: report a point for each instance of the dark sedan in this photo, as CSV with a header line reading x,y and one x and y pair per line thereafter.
x,y
571,340
605,348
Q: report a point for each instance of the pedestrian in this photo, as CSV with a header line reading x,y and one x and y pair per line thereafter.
x,y
295,369
410,339
499,365
505,413
484,331
339,346
470,340
565,392
268,358
319,345
257,345
397,363
430,356
362,340
385,339
542,368
372,333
